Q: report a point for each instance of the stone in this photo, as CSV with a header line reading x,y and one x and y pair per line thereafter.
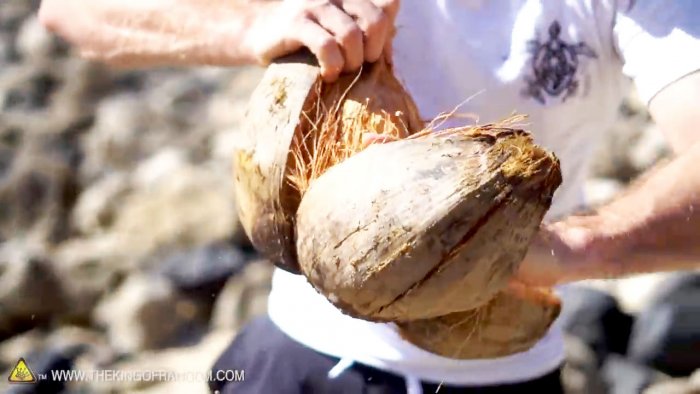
x,y
671,386
158,167
83,86
39,189
27,88
599,191
192,363
663,335
634,293
695,379
19,346
116,139
97,205
182,102
31,293
90,269
595,317
637,293
227,106
244,296
146,312
678,288
623,376
190,207
631,146
651,148
34,43
581,370
202,271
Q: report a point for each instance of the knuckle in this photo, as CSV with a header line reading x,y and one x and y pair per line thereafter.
x,y
350,35
387,4
327,45
377,22
314,7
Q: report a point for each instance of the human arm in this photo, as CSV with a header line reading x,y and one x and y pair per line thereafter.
x,y
340,33
653,226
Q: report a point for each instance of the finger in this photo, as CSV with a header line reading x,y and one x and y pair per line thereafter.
x,y
322,44
390,7
347,33
388,52
375,25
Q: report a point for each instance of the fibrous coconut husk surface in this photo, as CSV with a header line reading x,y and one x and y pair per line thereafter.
x,y
425,229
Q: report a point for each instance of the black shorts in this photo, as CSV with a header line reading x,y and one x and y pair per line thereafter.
x,y
273,363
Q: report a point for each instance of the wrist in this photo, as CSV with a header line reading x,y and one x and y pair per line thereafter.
x,y
233,37
591,246
254,31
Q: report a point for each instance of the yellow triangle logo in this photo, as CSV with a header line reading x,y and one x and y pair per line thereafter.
x,y
21,373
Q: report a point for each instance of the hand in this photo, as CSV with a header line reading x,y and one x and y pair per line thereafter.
x,y
577,248
342,34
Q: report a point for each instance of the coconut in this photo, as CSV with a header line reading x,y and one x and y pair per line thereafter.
x,y
425,230
282,136
425,226
513,321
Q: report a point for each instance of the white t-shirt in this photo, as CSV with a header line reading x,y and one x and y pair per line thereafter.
x,y
567,65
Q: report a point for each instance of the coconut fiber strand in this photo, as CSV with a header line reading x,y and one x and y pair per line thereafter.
x,y
425,229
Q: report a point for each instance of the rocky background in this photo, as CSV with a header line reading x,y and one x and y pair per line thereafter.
x,y
120,248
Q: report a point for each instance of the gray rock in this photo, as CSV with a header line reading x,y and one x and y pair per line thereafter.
x,y
191,362
671,386
244,296
189,207
117,137
27,88
595,317
631,146
679,288
694,381
34,43
581,371
601,190
31,293
89,270
39,189
159,167
20,345
651,147
97,205
7,48
202,272
663,337
146,312
623,376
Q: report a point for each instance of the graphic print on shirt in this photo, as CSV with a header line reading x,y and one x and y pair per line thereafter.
x,y
554,65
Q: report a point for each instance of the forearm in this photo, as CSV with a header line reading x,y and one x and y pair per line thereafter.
x,y
156,32
653,226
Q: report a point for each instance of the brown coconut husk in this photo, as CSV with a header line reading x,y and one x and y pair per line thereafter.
x,y
371,101
424,231
513,321
424,226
